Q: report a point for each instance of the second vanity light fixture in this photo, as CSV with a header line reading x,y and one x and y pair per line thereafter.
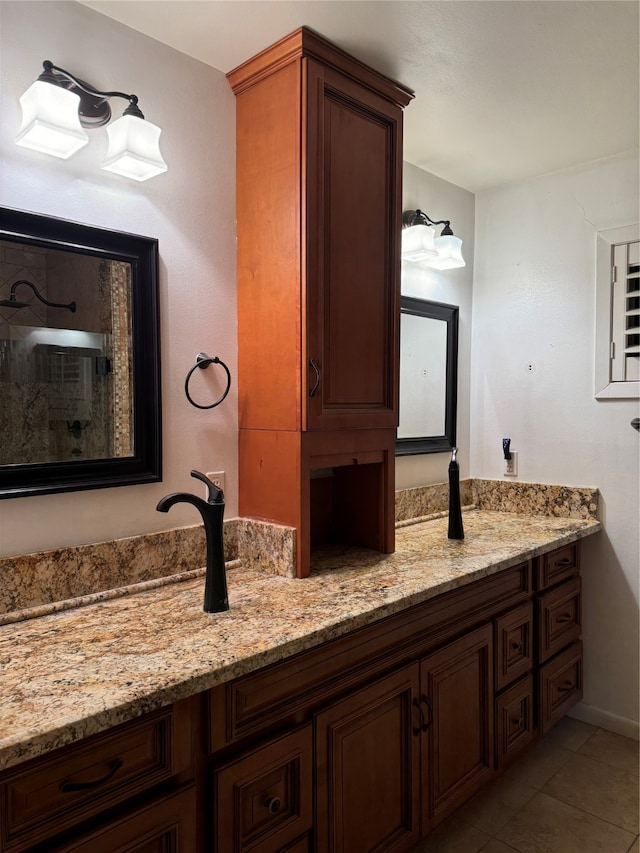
x,y
420,242
58,107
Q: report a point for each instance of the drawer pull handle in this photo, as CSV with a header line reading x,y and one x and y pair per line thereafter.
x,y
566,617
562,564
69,787
272,804
564,688
430,709
314,390
420,728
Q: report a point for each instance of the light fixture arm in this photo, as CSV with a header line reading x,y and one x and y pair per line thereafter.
x,y
92,113
419,217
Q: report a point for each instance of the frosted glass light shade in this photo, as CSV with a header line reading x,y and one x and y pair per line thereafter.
x,y
418,243
449,249
50,121
134,149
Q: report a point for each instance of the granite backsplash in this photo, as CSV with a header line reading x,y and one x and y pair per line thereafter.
x,y
39,583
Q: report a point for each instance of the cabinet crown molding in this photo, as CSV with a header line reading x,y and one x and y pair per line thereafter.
x,y
304,43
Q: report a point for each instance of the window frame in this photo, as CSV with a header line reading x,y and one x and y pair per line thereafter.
x,y
605,388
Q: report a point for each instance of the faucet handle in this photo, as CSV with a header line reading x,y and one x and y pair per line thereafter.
x,y
216,495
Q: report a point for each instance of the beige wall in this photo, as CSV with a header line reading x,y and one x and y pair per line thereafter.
x,y
190,209
534,301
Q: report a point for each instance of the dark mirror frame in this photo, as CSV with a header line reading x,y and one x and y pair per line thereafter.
x,y
449,314
145,466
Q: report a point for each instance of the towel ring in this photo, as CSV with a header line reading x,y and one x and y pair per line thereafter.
x,y
203,361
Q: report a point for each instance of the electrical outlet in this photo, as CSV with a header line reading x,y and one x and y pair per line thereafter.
x,y
217,478
511,465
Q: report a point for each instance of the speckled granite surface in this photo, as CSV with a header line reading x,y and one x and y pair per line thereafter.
x,y
40,579
426,500
270,547
536,498
33,585
502,496
74,673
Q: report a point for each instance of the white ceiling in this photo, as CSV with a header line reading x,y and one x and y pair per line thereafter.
x,y
505,89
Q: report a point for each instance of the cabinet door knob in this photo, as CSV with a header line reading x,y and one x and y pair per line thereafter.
x,y
313,391
272,804
518,647
69,787
519,723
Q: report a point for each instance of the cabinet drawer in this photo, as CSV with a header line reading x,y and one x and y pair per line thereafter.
x,y
282,692
557,566
559,618
560,686
263,801
515,727
53,793
513,645
167,825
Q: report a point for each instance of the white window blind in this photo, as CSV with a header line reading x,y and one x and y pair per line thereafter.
x,y
625,312
617,351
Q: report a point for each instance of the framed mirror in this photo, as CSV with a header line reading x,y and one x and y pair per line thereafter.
x,y
79,357
428,377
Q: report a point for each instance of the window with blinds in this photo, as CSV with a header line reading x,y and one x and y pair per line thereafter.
x,y
617,367
625,312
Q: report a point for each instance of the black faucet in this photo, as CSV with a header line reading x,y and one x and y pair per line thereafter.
x,y
212,512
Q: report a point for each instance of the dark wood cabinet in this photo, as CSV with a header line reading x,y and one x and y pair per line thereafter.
x,y
559,618
457,690
91,778
319,167
364,743
167,825
264,800
368,768
515,721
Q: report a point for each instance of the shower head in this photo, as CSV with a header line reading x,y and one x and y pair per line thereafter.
x,y
12,302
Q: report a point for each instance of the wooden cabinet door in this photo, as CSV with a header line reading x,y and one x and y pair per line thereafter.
x,y
367,754
353,183
457,687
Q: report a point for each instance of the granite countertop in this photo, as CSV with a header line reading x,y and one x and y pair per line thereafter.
x,y
80,671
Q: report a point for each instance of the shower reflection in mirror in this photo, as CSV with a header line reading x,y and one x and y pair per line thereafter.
x,y
65,356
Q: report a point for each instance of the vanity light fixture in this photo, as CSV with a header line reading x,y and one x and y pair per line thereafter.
x,y
420,243
57,108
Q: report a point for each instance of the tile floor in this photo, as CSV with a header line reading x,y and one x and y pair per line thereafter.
x,y
575,791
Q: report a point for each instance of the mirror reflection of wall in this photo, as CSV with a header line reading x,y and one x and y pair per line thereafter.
x,y
423,356
428,377
65,375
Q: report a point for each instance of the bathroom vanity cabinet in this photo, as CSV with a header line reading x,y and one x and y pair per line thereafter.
x,y
365,742
318,195
409,717
129,788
